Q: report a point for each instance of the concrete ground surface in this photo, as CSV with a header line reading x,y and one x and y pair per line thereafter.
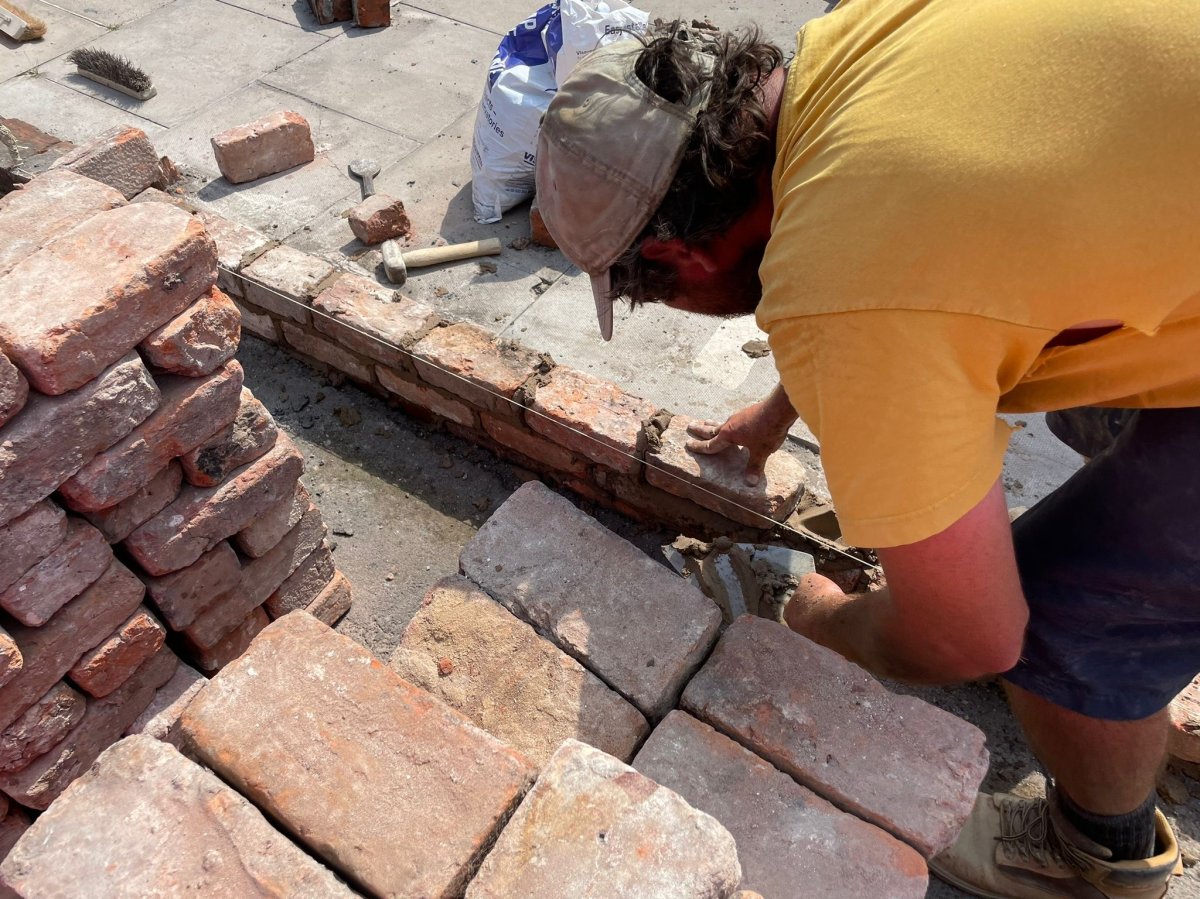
x,y
400,498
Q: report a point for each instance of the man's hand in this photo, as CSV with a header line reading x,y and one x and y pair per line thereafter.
x,y
760,428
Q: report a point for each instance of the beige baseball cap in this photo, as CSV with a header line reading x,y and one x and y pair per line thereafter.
x,y
607,152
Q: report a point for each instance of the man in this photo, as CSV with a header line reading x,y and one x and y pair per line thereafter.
x,y
940,211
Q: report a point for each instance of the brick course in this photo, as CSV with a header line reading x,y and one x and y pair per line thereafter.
x,y
371,320
287,271
466,361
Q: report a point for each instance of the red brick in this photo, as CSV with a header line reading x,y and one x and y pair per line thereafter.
x,y
260,578
597,827
585,588
45,588
160,719
11,661
184,594
372,320
197,341
14,390
538,232
330,11
181,832
42,726
379,218
533,447
466,361
1183,738
259,325
895,761
203,516
786,834
27,540
303,585
251,434
103,722
391,787
237,247
470,652
119,521
425,398
122,157
110,664
284,280
273,524
190,411
51,650
47,206
86,299
56,436
372,13
314,347
333,602
267,146
592,417
232,645
698,477
12,828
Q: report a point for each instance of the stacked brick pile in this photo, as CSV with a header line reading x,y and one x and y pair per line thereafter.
x,y
149,507
512,725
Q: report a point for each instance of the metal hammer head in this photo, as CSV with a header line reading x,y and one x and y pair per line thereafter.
x,y
393,262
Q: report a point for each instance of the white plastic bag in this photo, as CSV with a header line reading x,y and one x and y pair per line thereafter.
x,y
523,76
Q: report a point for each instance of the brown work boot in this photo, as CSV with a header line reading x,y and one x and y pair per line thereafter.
x,y
1013,848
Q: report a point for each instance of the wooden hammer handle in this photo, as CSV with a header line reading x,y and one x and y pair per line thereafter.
x,y
455,251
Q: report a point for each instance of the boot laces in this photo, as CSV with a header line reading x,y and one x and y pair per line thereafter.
x,y
1027,832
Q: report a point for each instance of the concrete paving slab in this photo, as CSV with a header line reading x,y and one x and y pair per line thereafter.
x,y
64,32
196,51
496,16
293,12
414,78
778,19
108,13
63,112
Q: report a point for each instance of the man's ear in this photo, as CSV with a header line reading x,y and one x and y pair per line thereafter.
x,y
679,255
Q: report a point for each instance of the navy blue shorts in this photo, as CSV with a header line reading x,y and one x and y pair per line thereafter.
x,y
1110,565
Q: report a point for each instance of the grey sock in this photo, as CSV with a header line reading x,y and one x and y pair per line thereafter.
x,y
1128,836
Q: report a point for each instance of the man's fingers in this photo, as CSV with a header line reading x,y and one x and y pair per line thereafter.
x,y
708,447
705,430
755,471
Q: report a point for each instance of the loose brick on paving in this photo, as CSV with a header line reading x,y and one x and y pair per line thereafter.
x,y
182,832
55,436
14,390
372,13
103,669
122,157
251,433
896,761
40,727
201,517
466,361
786,834
11,661
598,828
538,232
372,320
213,658
698,476
284,280
119,521
27,540
420,397
590,416
104,720
160,719
466,649
532,446
49,585
189,412
386,783
333,602
237,246
12,828
308,344
50,651
258,324
635,624
330,11
257,538
47,206
303,585
379,218
86,299
199,340
1183,737
259,579
266,146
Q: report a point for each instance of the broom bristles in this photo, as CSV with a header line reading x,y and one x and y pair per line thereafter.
x,y
34,27
111,66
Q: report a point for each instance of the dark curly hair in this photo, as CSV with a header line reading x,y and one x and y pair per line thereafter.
x,y
716,181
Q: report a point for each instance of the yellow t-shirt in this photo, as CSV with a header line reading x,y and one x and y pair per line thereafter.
x,y
958,181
